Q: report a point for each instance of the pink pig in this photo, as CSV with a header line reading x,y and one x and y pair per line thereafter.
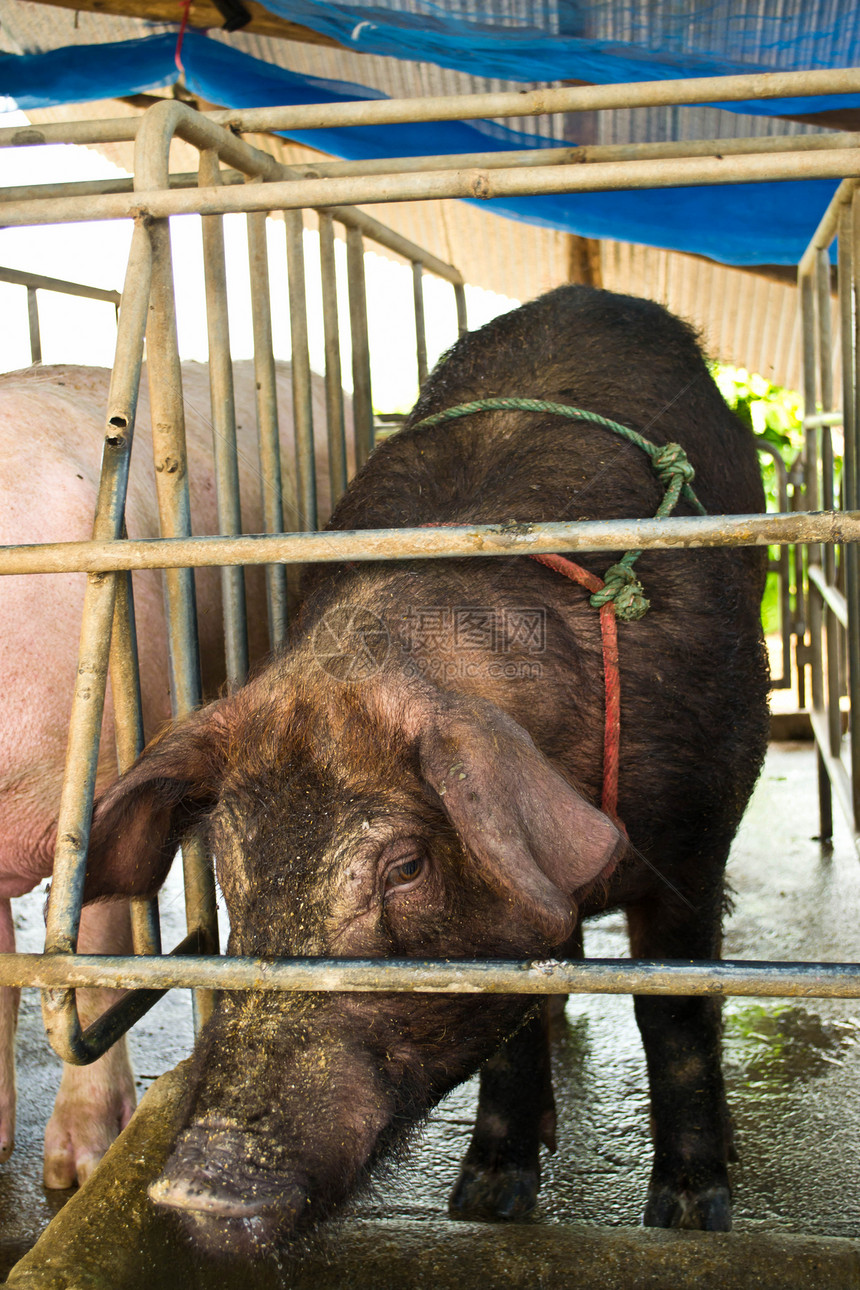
x,y
51,430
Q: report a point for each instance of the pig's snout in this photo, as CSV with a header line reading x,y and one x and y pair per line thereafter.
x,y
225,1196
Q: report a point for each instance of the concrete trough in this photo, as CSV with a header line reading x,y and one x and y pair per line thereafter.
x,y
110,1237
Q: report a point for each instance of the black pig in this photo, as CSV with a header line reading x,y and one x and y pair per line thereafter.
x,y
420,775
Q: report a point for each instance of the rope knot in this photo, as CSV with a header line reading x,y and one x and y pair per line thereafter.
x,y
670,463
623,588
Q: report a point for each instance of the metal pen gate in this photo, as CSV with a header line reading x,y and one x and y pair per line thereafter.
x,y
35,282
254,183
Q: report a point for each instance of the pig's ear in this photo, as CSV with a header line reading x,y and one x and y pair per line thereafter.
x,y
536,838
141,819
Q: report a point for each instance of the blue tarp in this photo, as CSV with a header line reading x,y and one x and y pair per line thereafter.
x,y
737,224
545,40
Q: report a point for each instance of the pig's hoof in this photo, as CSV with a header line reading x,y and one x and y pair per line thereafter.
x,y
494,1195
708,1210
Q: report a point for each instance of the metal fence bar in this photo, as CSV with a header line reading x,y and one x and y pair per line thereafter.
x,y
557,156
223,412
782,567
466,976
719,89
303,415
332,546
64,903
171,477
848,267
129,736
335,421
420,329
23,278
460,303
362,403
159,202
825,380
831,595
268,429
806,285
33,326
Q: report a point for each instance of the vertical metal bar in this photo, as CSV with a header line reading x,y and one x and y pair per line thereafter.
x,y
33,321
335,422
267,421
59,1008
848,263
420,329
171,467
128,728
224,428
825,800
460,301
825,378
303,417
813,552
362,403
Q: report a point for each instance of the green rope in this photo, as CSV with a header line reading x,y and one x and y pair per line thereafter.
x,y
668,461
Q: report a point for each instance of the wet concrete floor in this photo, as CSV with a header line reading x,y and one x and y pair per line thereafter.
x,y
793,1069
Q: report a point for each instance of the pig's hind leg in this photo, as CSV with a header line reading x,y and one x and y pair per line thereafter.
x,y
690,1120
500,1174
94,1102
9,998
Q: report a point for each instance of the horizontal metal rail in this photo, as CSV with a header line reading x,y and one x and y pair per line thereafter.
x,y
465,976
586,98
586,154
37,282
822,419
483,184
331,546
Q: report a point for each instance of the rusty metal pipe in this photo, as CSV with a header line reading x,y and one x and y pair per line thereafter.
x,y
332,546
362,401
585,154
420,329
610,976
59,1009
712,89
303,415
335,421
223,410
159,201
268,431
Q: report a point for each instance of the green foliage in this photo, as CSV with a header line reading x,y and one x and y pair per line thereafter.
x,y
774,414
769,410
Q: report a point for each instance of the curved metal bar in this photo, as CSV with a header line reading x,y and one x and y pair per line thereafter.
x,y
611,176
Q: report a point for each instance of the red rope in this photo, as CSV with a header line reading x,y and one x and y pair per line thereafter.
x,y
611,677
186,5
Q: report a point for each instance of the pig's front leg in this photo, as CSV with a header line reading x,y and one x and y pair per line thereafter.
x,y
690,1120
500,1174
94,1102
9,998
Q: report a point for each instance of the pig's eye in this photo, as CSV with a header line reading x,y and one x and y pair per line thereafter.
x,y
405,873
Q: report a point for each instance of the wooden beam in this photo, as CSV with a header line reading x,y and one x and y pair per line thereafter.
x,y
201,13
